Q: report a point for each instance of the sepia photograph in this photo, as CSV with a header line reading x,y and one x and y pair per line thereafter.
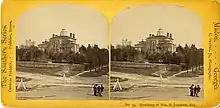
x,y
156,54
62,54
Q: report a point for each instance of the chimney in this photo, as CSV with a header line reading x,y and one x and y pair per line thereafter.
x,y
170,35
70,34
73,36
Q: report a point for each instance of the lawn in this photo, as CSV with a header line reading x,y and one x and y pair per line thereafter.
x,y
46,71
103,71
154,72
195,73
139,71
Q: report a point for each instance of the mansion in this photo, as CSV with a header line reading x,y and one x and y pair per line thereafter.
x,y
60,43
160,43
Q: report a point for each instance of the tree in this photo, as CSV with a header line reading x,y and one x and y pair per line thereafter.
x,y
193,58
180,49
82,49
187,56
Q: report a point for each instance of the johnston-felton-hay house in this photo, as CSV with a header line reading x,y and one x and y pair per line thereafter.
x,y
60,44
160,43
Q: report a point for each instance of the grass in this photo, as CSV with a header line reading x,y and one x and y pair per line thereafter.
x,y
103,71
169,73
152,71
56,71
24,79
195,73
189,74
114,79
27,88
143,71
139,71
123,89
146,86
46,71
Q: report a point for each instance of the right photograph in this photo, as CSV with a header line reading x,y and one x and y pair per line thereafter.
x,y
156,54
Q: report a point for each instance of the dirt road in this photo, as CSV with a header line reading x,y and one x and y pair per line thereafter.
x,y
56,88
151,88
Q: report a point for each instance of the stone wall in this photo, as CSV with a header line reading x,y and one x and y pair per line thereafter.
x,y
75,67
168,67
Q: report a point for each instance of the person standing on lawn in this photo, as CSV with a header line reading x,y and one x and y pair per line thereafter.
x,y
95,90
102,88
191,90
198,90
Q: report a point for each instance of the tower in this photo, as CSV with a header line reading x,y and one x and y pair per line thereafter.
x,y
63,32
160,32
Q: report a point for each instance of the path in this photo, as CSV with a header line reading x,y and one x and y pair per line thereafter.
x,y
152,88
134,79
54,80
45,87
174,75
181,72
84,72
88,71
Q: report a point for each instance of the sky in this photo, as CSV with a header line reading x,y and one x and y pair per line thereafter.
x,y
39,23
136,23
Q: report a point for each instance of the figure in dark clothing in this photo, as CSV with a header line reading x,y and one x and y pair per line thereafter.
x,y
198,90
191,90
195,90
99,90
95,89
102,88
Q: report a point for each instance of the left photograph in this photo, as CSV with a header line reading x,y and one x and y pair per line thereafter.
x,y
62,54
